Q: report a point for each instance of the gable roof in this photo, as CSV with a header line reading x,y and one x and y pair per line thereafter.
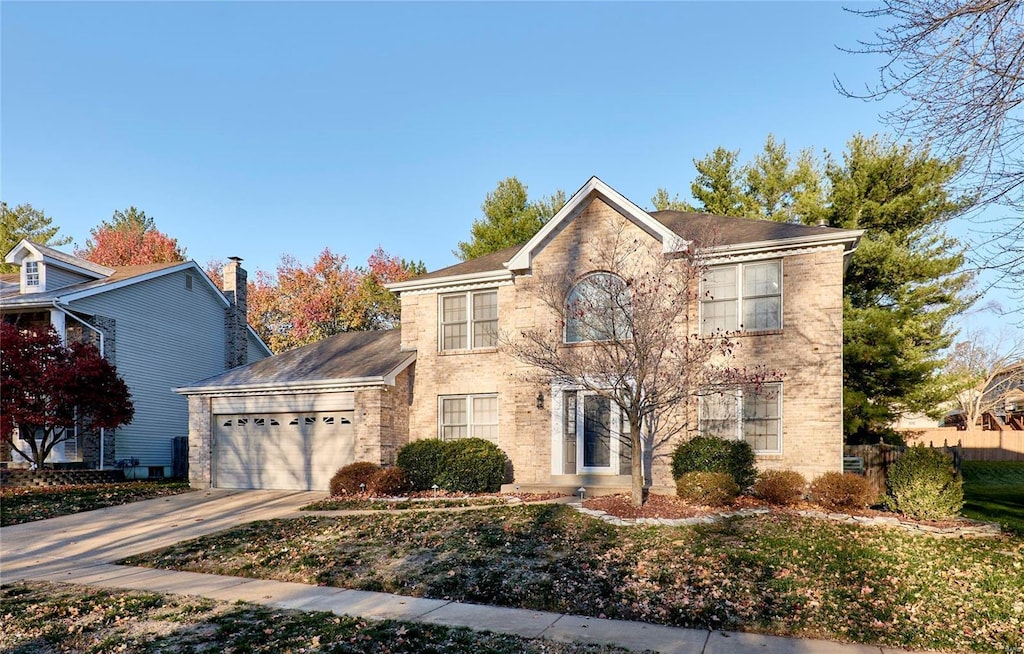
x,y
676,230
121,276
26,247
344,360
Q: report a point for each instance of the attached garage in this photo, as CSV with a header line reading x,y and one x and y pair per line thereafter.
x,y
290,421
294,451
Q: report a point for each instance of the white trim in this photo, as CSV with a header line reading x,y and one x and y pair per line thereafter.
x,y
61,260
468,397
320,385
739,265
848,240
479,278
671,242
469,321
136,279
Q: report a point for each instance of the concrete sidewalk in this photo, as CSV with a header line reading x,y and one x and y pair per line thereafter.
x,y
78,550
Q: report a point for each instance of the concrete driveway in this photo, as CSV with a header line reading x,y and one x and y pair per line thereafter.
x,y
106,535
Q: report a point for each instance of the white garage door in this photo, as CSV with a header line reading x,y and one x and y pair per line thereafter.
x,y
287,451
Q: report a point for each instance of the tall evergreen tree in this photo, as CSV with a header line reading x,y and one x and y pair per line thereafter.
x,y
510,218
905,283
21,222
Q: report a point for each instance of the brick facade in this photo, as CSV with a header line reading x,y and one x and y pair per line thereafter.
x,y
807,351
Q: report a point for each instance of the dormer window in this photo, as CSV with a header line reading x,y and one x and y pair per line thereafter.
x,y
32,273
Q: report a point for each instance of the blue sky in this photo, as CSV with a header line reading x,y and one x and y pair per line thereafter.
x,y
259,129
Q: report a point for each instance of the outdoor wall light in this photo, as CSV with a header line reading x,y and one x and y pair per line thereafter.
x,y
540,400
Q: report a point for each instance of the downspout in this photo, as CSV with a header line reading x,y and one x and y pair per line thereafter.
x,y
99,332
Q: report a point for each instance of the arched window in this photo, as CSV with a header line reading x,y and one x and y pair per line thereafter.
x,y
598,309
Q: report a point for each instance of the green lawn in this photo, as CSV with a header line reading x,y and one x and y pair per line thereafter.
x,y
41,617
24,504
776,573
994,492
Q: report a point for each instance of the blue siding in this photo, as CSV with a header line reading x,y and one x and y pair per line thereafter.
x,y
166,336
60,278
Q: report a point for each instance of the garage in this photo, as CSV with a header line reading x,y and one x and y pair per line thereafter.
x,y
290,421
285,451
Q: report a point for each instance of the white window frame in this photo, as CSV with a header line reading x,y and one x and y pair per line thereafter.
x,y
33,274
774,387
471,423
584,280
740,297
469,321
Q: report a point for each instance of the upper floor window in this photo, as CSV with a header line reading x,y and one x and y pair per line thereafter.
x,y
744,296
598,309
469,320
31,273
745,414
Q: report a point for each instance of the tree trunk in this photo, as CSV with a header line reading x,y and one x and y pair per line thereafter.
x,y
636,466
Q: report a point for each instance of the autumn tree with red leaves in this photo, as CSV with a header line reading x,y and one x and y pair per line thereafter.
x,y
49,386
303,304
130,238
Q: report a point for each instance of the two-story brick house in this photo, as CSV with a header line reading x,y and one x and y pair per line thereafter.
x,y
777,285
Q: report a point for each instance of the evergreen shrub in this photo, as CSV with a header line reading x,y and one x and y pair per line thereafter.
x,y
422,461
467,465
922,484
712,454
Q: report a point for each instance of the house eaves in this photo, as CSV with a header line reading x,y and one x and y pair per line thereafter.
x,y
61,260
300,386
580,200
848,240
486,277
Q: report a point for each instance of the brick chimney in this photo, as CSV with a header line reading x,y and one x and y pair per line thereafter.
x,y
235,323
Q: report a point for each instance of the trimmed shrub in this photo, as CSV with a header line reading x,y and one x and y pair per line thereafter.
x,y
390,481
472,465
347,480
834,490
922,484
711,454
468,465
782,487
707,488
422,460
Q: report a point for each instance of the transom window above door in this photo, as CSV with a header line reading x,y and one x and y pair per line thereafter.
x,y
598,308
469,320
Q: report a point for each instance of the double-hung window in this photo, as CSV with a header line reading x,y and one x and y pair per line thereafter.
x,y
31,273
745,296
753,415
469,416
469,320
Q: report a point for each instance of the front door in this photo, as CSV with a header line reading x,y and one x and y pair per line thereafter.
x,y
594,435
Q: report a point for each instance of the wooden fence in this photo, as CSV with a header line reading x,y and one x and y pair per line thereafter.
x,y
978,445
878,458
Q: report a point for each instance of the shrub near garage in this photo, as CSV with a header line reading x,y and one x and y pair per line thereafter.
x,y
712,454
422,461
922,484
353,478
389,482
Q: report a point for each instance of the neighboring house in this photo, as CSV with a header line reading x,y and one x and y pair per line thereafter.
x,y
161,325
780,286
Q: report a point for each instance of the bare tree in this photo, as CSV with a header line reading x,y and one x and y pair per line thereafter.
x,y
984,369
627,330
959,67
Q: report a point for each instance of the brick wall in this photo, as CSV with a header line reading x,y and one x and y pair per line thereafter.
x,y
808,351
